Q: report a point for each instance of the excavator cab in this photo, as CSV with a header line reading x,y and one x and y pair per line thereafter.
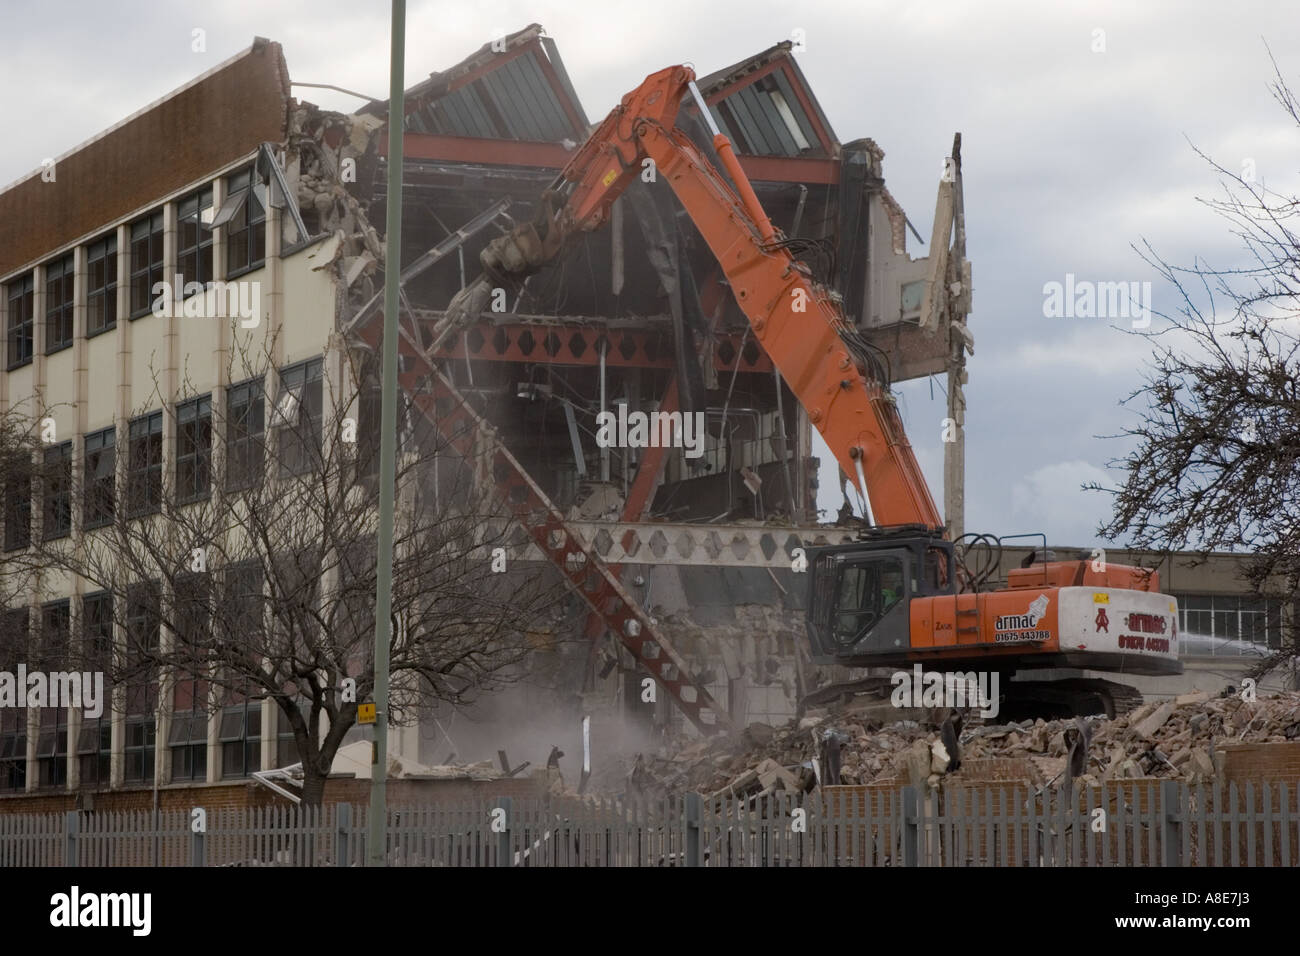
x,y
861,592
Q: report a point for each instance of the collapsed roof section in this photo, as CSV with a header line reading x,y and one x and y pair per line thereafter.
x,y
513,88
503,120
765,107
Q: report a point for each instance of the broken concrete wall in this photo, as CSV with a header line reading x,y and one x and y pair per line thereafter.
x,y
328,154
741,627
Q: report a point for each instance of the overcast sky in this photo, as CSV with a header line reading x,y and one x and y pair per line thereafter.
x,y
1070,156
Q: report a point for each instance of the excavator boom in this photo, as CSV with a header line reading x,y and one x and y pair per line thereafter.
x,y
898,596
797,321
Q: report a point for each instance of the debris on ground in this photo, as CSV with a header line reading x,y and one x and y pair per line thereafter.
x,y
1172,739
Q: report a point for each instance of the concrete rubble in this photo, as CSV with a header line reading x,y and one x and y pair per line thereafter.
x,y
1173,739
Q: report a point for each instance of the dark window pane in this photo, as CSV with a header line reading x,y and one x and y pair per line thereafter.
x,y
18,505
194,239
57,478
193,449
58,304
144,466
20,328
100,473
101,285
245,429
146,262
298,416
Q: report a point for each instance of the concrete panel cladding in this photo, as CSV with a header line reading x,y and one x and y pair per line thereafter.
x,y
192,131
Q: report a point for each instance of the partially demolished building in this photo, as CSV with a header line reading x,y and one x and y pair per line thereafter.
x,y
636,320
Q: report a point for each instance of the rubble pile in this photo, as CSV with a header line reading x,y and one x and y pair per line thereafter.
x,y
1173,739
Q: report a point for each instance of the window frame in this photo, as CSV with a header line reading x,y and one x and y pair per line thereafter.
x,y
243,401
143,634
95,751
144,499
97,626
19,492
144,751
59,329
1211,610
187,738
52,767
193,465
20,322
148,229
233,217
305,381
101,253
99,445
204,238
237,742
56,492
13,749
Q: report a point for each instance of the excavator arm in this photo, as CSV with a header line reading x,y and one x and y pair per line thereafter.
x,y
798,322
1051,614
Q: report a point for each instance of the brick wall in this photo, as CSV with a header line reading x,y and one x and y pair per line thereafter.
x,y
1275,763
176,142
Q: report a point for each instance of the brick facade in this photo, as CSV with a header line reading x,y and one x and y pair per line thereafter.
x,y
204,126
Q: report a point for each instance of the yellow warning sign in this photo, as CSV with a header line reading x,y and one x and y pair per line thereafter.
x,y
365,713
1098,598
610,177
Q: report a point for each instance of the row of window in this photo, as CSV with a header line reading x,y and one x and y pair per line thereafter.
x,y
242,216
238,736
1230,617
297,418
239,718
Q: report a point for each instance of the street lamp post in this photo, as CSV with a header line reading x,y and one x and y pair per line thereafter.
x,y
378,848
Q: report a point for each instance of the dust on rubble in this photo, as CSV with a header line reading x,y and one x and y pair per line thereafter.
x,y
1172,739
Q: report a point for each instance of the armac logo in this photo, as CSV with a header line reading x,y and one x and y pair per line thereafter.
x,y
1018,622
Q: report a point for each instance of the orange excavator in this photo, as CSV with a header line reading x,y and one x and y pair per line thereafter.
x,y
904,594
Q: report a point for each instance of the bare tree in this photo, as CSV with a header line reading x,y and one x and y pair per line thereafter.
x,y
1215,458
258,563
21,463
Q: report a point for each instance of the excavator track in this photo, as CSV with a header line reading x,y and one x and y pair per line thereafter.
x,y
1021,700
1072,697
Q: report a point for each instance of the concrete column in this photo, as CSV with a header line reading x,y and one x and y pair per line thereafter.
x,y
38,339
75,634
80,350
123,331
954,452
117,737
215,697
275,280
170,350
162,763
4,347
33,713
